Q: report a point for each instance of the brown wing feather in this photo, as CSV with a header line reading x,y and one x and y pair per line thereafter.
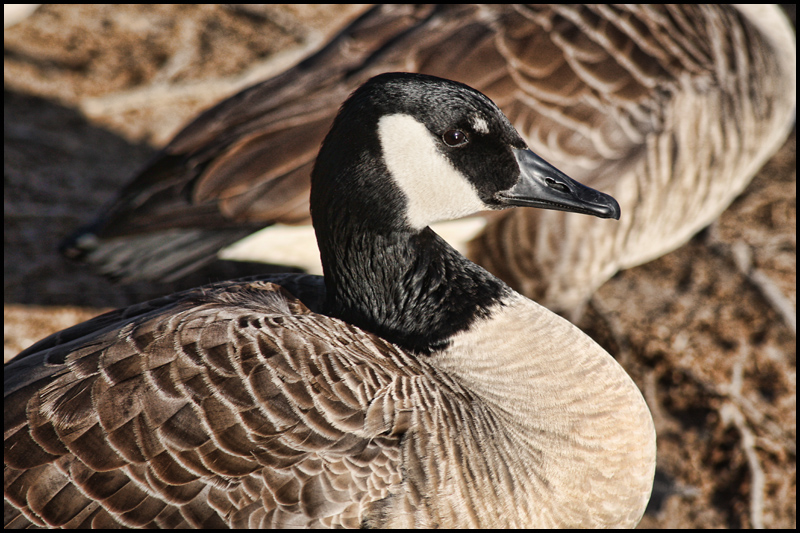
x,y
243,410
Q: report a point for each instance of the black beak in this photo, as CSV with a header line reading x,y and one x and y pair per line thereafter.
x,y
544,186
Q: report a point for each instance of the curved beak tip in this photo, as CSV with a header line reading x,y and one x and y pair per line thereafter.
x,y
613,210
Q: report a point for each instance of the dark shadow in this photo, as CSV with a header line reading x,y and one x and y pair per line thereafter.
x,y
58,171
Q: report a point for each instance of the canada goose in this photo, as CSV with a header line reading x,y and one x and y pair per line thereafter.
x,y
409,388
670,108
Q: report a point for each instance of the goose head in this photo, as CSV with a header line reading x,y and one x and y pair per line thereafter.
x,y
405,151
439,150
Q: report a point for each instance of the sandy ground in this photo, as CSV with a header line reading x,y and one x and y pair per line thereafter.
x,y
708,332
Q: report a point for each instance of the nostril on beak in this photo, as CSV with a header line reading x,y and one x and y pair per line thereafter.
x,y
556,185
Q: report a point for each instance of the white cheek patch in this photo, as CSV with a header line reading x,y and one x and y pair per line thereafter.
x,y
435,190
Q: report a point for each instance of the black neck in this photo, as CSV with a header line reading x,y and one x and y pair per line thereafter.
x,y
410,288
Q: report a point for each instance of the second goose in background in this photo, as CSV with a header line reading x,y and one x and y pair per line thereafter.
x,y
672,109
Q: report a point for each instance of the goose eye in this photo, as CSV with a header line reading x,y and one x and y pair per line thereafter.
x,y
454,138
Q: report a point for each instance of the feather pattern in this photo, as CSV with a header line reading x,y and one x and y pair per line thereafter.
x,y
234,405
673,108
244,399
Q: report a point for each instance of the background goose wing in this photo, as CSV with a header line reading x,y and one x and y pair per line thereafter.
x,y
242,165
245,163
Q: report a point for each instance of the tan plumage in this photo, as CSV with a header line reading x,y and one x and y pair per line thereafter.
x,y
672,108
